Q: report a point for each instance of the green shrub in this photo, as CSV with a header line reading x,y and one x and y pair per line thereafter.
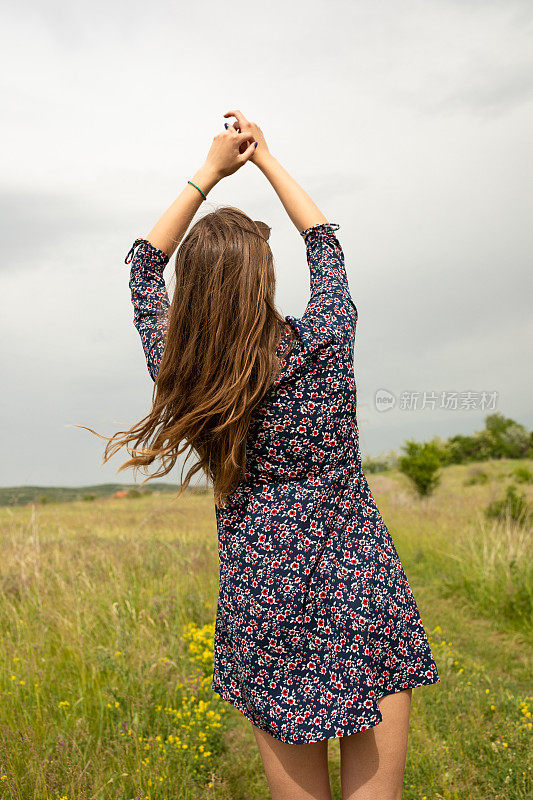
x,y
513,506
134,493
501,438
523,474
478,447
509,438
476,475
442,448
374,465
89,497
421,464
380,463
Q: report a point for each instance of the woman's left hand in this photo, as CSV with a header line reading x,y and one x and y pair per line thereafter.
x,y
224,157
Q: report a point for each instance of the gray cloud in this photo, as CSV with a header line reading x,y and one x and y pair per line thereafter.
x,y
487,89
409,124
46,219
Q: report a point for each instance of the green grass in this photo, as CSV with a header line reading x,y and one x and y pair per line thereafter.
x,y
107,613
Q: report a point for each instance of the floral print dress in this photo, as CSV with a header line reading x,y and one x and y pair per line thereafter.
x,y
316,620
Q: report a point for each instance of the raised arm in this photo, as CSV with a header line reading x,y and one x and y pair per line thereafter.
x,y
303,211
148,257
330,306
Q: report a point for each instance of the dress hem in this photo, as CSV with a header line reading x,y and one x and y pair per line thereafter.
x,y
346,731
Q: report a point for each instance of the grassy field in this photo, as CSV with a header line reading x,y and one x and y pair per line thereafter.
x,y
107,612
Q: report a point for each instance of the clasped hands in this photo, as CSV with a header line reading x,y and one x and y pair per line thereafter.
x,y
240,142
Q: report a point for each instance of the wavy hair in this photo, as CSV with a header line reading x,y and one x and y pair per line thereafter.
x,y
219,359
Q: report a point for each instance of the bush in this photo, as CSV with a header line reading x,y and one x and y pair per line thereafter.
x,y
501,438
512,506
478,447
89,497
509,439
421,464
523,474
134,493
442,448
380,463
515,442
476,475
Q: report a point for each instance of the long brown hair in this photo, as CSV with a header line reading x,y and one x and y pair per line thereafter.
x,y
219,360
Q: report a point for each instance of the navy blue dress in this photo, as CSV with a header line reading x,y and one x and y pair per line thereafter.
x,y
316,619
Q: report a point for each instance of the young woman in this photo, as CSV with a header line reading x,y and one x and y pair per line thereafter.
x,y
317,634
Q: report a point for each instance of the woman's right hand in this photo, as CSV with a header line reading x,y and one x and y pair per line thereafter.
x,y
243,125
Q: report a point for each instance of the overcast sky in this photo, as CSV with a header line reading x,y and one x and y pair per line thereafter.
x,y
409,123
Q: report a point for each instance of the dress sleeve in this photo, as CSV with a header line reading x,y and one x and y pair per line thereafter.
x,y
330,304
150,300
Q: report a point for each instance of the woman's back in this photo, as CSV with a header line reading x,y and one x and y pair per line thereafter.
x,y
313,599
306,425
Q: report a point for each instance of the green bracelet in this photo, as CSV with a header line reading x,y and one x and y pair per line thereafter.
x,y
197,187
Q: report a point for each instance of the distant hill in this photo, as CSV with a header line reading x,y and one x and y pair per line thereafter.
x,y
21,495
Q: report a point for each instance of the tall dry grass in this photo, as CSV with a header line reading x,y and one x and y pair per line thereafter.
x,y
106,616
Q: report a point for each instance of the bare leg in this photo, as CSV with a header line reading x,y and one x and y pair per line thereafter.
x,y
294,771
373,761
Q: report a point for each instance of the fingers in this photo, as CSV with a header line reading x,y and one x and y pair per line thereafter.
x,y
243,135
240,136
241,121
235,113
250,150
242,140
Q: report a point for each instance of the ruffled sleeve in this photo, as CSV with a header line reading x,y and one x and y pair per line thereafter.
x,y
150,299
331,305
